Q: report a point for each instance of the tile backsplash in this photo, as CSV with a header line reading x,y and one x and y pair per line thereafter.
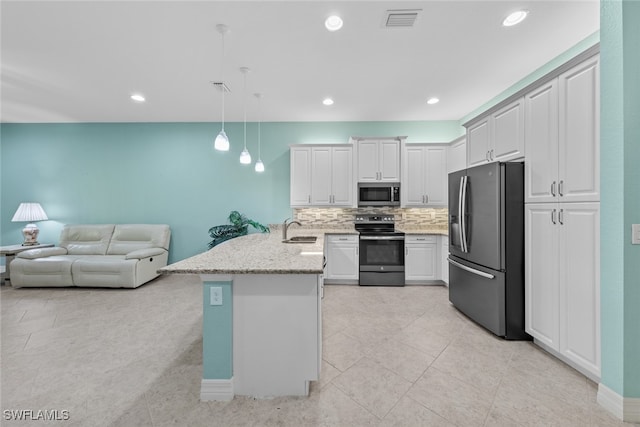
x,y
343,217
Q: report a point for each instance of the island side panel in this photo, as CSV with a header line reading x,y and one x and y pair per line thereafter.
x,y
217,341
276,342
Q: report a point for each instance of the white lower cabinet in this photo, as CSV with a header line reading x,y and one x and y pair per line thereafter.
x,y
562,281
342,256
444,255
421,261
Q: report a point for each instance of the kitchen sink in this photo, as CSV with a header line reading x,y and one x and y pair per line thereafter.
x,y
301,239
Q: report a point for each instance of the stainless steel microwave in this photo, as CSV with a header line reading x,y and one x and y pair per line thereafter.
x,y
378,194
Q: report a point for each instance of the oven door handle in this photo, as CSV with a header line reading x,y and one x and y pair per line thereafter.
x,y
381,237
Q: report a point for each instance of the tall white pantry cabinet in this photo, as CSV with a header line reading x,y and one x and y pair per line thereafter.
x,y
562,216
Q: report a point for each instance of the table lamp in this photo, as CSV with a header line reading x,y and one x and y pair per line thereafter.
x,y
30,212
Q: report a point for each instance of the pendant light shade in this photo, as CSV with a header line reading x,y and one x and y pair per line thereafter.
x,y
259,165
222,141
245,157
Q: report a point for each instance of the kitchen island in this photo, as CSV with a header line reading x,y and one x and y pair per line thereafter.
x,y
262,314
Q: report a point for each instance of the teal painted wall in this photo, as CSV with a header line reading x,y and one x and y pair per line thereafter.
x,y
217,333
620,182
163,172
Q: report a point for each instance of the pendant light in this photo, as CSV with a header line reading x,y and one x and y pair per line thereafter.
x,y
259,165
245,157
222,141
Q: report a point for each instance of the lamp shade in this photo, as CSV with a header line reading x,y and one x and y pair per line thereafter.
x,y
29,212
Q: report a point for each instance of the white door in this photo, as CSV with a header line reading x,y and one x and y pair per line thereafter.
x,y
413,177
541,144
457,156
300,194
579,122
321,175
342,186
389,161
368,161
580,279
508,132
541,273
436,177
342,261
478,143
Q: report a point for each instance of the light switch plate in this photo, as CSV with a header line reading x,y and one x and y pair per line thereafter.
x,y
216,295
635,234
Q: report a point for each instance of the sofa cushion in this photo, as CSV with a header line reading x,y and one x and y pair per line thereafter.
x,y
42,253
49,271
87,239
131,237
111,271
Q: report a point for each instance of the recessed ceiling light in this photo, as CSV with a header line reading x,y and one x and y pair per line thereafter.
x,y
333,23
327,101
432,101
137,97
515,18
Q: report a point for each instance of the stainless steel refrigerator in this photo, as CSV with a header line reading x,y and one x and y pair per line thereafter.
x,y
486,246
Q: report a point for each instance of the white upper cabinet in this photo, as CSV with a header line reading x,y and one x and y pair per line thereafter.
x,y
508,132
498,136
541,139
332,176
562,138
378,160
478,136
300,194
424,175
322,175
579,123
457,155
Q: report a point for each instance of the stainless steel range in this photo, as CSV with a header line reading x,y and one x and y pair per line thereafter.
x,y
381,251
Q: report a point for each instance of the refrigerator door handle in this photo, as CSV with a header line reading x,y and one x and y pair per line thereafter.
x,y
462,205
471,270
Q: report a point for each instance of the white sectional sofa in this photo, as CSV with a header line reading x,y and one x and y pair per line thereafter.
x,y
96,255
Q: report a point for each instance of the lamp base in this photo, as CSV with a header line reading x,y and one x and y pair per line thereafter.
x,y
30,234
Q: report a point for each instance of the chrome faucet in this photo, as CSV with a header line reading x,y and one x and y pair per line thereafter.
x,y
285,227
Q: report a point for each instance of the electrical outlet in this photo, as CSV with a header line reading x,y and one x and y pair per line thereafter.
x,y
215,295
635,234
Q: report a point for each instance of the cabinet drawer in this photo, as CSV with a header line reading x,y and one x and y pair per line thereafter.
x,y
420,238
342,238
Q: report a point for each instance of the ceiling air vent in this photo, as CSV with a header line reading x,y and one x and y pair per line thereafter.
x,y
221,86
400,18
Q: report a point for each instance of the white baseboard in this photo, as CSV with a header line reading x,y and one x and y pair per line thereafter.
x,y
625,408
218,390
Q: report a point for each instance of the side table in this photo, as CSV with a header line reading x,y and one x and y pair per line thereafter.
x,y
9,252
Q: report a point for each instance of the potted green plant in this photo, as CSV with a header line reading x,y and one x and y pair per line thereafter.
x,y
239,227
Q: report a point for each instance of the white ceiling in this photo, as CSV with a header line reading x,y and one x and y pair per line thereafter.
x,y
79,61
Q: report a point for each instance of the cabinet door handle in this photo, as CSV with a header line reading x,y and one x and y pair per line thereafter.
x,y
426,198
553,216
491,156
553,189
561,217
486,156
560,189
309,198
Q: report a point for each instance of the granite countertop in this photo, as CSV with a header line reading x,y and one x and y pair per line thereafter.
x,y
260,253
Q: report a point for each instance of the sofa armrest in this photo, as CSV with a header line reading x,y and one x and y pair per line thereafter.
x,y
145,253
41,253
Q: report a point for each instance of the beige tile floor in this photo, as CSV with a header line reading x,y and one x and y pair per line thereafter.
x,y
392,357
